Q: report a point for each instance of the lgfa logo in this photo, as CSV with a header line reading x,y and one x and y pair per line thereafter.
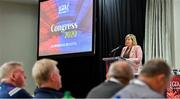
x,y
63,8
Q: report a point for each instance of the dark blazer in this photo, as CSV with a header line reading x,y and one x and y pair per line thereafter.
x,y
105,90
47,93
11,91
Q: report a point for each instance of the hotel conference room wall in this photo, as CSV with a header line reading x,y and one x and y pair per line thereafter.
x,y
18,29
18,33
177,32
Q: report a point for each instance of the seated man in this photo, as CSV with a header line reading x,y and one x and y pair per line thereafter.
x,y
12,80
151,82
119,75
47,78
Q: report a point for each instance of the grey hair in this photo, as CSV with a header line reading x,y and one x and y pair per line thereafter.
x,y
7,67
118,70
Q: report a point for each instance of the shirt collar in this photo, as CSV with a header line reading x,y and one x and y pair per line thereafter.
x,y
138,82
114,80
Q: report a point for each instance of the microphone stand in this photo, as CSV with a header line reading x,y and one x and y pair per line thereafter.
x,y
114,53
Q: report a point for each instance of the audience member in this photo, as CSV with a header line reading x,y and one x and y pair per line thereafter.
x,y
151,82
12,80
119,75
47,78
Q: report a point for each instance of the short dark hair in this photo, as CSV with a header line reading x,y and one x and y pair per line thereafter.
x,y
155,67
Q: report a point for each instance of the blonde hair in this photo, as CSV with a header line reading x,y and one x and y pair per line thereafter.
x,y
133,37
42,69
7,68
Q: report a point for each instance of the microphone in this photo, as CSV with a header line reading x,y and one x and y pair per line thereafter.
x,y
115,48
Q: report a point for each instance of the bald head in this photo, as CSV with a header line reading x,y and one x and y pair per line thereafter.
x,y
120,70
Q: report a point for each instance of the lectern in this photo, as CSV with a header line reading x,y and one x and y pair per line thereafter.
x,y
109,60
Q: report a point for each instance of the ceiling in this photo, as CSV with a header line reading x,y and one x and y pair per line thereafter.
x,y
22,1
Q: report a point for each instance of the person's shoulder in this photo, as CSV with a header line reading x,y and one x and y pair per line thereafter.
x,y
43,95
8,90
97,87
47,93
93,92
123,92
137,46
19,93
125,47
14,91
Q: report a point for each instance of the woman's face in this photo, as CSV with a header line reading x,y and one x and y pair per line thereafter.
x,y
128,41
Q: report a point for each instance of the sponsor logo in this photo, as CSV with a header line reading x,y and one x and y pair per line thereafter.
x,y
62,9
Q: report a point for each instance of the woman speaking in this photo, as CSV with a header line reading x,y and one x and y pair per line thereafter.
x,y
132,52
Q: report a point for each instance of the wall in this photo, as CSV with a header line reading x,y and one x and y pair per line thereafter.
x,y
18,32
177,32
18,29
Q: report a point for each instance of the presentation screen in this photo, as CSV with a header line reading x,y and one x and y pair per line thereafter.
x,y
65,27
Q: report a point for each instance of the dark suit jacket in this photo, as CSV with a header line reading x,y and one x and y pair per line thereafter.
x,y
47,93
10,91
105,90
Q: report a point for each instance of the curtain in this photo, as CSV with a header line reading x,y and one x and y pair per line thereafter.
x,y
116,19
159,30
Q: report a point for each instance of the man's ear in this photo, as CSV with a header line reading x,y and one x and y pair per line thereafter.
x,y
53,76
13,76
161,77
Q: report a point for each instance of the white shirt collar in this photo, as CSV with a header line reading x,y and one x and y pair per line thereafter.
x,y
138,82
114,80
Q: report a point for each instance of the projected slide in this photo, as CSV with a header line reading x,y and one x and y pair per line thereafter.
x,y
65,27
